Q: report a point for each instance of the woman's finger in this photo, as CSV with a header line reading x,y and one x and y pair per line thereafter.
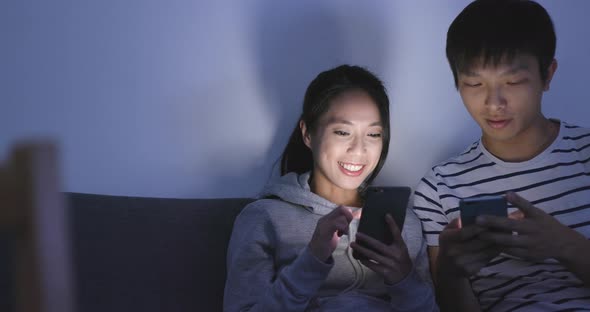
x,y
395,231
373,243
369,253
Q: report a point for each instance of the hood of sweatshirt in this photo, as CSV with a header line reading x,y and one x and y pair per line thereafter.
x,y
294,188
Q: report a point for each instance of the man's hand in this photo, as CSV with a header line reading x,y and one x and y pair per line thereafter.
x,y
391,261
461,252
537,235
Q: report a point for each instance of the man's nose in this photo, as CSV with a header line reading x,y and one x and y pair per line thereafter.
x,y
495,98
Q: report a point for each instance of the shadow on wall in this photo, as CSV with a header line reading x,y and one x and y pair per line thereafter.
x,y
293,43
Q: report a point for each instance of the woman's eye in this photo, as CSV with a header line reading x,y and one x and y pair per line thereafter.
x,y
340,132
375,135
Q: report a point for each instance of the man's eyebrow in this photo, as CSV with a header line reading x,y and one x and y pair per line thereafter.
x,y
510,71
469,73
515,69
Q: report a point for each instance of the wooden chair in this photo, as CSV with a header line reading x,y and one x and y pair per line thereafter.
x,y
32,213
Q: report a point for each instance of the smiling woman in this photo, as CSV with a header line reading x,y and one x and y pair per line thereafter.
x,y
346,147
343,85
292,250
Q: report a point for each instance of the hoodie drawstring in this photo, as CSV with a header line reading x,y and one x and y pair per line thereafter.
x,y
359,272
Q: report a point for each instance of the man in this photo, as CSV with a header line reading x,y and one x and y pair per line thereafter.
x,y
501,53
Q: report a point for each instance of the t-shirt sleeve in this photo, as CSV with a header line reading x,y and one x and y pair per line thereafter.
x,y
428,208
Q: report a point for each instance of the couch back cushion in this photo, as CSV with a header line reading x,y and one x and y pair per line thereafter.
x,y
150,254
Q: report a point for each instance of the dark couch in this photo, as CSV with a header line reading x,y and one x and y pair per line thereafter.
x,y
150,254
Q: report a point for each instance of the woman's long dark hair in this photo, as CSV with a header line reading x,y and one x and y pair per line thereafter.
x,y
326,86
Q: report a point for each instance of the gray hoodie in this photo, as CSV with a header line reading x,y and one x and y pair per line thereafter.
x,y
269,267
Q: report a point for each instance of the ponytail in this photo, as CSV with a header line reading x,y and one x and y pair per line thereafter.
x,y
297,156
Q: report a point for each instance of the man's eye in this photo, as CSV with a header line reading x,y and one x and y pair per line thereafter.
x,y
340,132
514,83
472,85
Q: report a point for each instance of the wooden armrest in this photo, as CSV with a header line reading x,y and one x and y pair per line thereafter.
x,y
32,210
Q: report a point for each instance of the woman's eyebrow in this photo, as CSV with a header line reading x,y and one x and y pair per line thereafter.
x,y
338,121
347,122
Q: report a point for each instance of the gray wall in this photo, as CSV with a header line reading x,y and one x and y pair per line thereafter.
x,y
185,98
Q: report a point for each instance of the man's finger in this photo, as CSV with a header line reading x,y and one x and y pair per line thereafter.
x,y
473,246
505,239
518,252
455,224
470,263
470,232
516,215
451,234
499,223
522,204
481,258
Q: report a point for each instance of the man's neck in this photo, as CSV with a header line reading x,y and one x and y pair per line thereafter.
x,y
526,145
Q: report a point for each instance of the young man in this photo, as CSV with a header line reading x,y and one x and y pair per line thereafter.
x,y
501,53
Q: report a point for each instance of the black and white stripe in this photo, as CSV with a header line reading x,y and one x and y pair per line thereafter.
x,y
556,181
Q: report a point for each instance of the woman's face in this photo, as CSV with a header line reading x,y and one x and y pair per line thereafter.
x,y
347,142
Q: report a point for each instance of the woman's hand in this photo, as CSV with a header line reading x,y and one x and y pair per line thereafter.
x,y
328,231
391,261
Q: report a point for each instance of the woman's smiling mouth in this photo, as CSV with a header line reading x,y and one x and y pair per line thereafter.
x,y
351,169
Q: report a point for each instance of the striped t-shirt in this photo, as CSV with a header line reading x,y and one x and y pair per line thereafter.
x,y
557,181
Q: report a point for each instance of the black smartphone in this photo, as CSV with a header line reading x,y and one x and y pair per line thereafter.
x,y
380,201
470,208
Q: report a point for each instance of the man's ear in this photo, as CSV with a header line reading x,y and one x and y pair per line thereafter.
x,y
550,72
305,133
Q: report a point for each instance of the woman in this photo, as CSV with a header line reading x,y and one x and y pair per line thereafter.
x,y
292,249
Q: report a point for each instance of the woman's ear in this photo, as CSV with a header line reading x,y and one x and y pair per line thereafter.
x,y
305,134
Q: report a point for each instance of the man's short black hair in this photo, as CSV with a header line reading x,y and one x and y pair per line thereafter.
x,y
494,31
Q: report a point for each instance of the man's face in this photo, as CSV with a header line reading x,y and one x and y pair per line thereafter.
x,y
505,100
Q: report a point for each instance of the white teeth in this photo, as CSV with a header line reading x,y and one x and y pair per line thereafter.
x,y
350,167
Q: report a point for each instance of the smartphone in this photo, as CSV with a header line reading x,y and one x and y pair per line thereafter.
x,y
472,207
380,201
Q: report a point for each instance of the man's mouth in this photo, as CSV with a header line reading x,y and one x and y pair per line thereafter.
x,y
498,124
